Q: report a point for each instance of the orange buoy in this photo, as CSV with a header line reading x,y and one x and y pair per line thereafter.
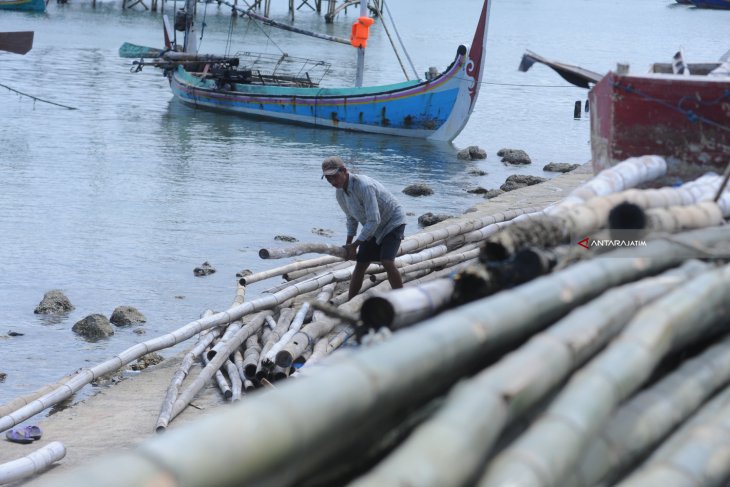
x,y
359,35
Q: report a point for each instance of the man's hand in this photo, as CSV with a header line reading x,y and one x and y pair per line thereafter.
x,y
351,250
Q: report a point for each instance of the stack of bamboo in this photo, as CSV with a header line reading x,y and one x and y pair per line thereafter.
x,y
611,367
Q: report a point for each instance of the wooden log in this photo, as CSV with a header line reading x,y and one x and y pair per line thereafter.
x,y
647,418
305,248
676,320
476,412
32,463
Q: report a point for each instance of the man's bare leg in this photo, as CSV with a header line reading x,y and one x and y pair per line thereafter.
x,y
394,278
357,277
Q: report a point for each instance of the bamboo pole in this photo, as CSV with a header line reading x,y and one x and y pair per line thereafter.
x,y
697,455
294,266
182,371
296,325
676,320
253,442
647,418
313,271
286,316
235,378
216,363
19,402
312,412
250,357
220,380
449,448
305,248
408,305
305,337
32,463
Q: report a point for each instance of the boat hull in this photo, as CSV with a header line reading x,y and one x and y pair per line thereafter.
x,y
685,119
714,4
23,5
413,109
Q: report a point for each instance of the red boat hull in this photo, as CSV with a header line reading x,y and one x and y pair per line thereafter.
x,y
685,119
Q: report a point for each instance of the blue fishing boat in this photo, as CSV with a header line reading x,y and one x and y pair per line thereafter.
x,y
23,5
436,108
715,4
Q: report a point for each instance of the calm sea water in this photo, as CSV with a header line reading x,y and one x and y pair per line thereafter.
x,y
117,201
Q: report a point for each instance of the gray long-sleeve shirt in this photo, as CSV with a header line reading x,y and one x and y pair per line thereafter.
x,y
368,202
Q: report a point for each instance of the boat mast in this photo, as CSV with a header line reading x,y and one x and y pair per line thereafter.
x,y
360,50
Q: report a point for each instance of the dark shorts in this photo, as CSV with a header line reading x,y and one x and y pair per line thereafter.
x,y
387,250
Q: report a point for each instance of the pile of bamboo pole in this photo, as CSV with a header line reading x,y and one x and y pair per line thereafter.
x,y
517,357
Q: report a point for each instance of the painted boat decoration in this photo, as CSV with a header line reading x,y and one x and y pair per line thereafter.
x,y
23,5
677,110
436,108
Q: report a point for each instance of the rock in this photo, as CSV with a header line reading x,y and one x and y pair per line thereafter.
x,y
477,172
428,219
477,190
139,331
514,156
54,302
147,360
560,167
15,333
418,189
286,238
179,297
472,153
94,327
204,270
323,232
492,193
126,316
3,376
244,273
517,181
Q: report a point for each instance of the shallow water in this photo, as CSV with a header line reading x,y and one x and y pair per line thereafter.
x,y
117,201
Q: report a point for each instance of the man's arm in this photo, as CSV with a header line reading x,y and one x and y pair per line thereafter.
x,y
372,213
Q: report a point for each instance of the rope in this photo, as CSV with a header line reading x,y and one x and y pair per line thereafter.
x,y
257,25
691,115
387,32
402,46
35,98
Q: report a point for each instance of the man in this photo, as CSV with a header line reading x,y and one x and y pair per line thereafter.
x,y
366,201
